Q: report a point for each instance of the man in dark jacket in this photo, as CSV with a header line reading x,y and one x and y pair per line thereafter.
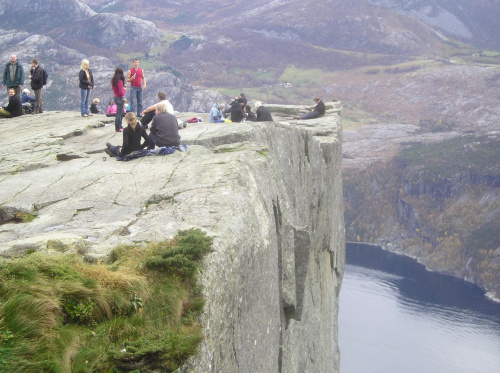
x,y
164,129
13,75
317,111
236,110
37,84
14,108
263,113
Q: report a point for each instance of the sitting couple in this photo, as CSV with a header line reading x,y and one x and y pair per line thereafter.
x,y
164,132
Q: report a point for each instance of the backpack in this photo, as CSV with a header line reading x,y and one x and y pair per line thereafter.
x,y
45,76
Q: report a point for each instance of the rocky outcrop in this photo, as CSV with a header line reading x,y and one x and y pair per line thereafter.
x,y
269,193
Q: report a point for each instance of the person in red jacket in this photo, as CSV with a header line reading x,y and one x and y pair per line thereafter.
x,y
119,91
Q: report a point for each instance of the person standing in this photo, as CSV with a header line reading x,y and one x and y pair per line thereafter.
x,y
13,75
14,107
37,77
137,80
119,91
86,85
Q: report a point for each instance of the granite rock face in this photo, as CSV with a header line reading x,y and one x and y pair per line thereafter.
x,y
269,193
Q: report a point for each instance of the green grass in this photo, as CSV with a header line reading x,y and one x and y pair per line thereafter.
x,y
138,312
450,157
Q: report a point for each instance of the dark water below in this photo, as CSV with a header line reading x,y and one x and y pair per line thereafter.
x,y
395,316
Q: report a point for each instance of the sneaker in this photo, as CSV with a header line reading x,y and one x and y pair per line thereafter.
x,y
120,130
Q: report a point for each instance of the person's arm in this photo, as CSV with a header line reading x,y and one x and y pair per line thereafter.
x,y
4,78
30,99
129,76
149,108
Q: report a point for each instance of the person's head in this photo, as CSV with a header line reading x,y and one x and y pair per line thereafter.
x,y
161,107
26,90
135,63
240,102
247,108
96,101
118,76
258,104
125,101
13,59
242,95
85,65
220,105
110,103
131,119
12,92
162,96
316,99
34,62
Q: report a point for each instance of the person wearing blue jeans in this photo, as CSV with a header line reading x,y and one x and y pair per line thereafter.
x,y
86,85
137,80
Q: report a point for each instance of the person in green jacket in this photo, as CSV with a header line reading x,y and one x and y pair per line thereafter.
x,y
13,75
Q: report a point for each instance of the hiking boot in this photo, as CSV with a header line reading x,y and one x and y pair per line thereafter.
x,y
108,145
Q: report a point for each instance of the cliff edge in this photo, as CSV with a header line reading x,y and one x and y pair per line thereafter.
x,y
269,193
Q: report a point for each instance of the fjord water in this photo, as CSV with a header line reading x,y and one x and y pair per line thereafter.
x,y
395,316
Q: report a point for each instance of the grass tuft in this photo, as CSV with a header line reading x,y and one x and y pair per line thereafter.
x,y
60,314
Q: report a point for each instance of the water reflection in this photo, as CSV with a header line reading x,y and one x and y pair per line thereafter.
x,y
397,317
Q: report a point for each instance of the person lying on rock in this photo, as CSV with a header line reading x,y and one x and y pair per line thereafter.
x,y
164,129
131,138
317,111
14,108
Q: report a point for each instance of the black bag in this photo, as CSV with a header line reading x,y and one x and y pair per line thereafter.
x,y
45,76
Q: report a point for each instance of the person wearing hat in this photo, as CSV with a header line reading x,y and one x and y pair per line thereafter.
x,y
25,97
263,113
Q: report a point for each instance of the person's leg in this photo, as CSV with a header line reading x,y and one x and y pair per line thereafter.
x,y
310,115
139,102
133,98
153,140
83,95
18,91
4,113
119,112
38,100
147,118
87,102
115,149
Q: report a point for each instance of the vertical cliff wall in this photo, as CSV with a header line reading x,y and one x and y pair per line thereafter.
x,y
269,193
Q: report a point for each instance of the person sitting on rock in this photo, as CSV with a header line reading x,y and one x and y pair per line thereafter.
x,y
14,108
25,97
111,112
236,110
149,113
132,135
164,129
249,116
263,113
317,111
216,113
94,109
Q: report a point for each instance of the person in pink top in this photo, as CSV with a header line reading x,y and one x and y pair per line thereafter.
x,y
137,80
119,90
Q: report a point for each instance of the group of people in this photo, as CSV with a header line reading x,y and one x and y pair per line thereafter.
x,y
239,111
13,79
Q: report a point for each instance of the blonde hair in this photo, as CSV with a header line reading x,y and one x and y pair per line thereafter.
x,y
258,104
85,64
96,101
162,106
131,119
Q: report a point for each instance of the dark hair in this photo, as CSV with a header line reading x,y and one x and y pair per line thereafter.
x,y
35,61
240,101
162,96
118,76
249,108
